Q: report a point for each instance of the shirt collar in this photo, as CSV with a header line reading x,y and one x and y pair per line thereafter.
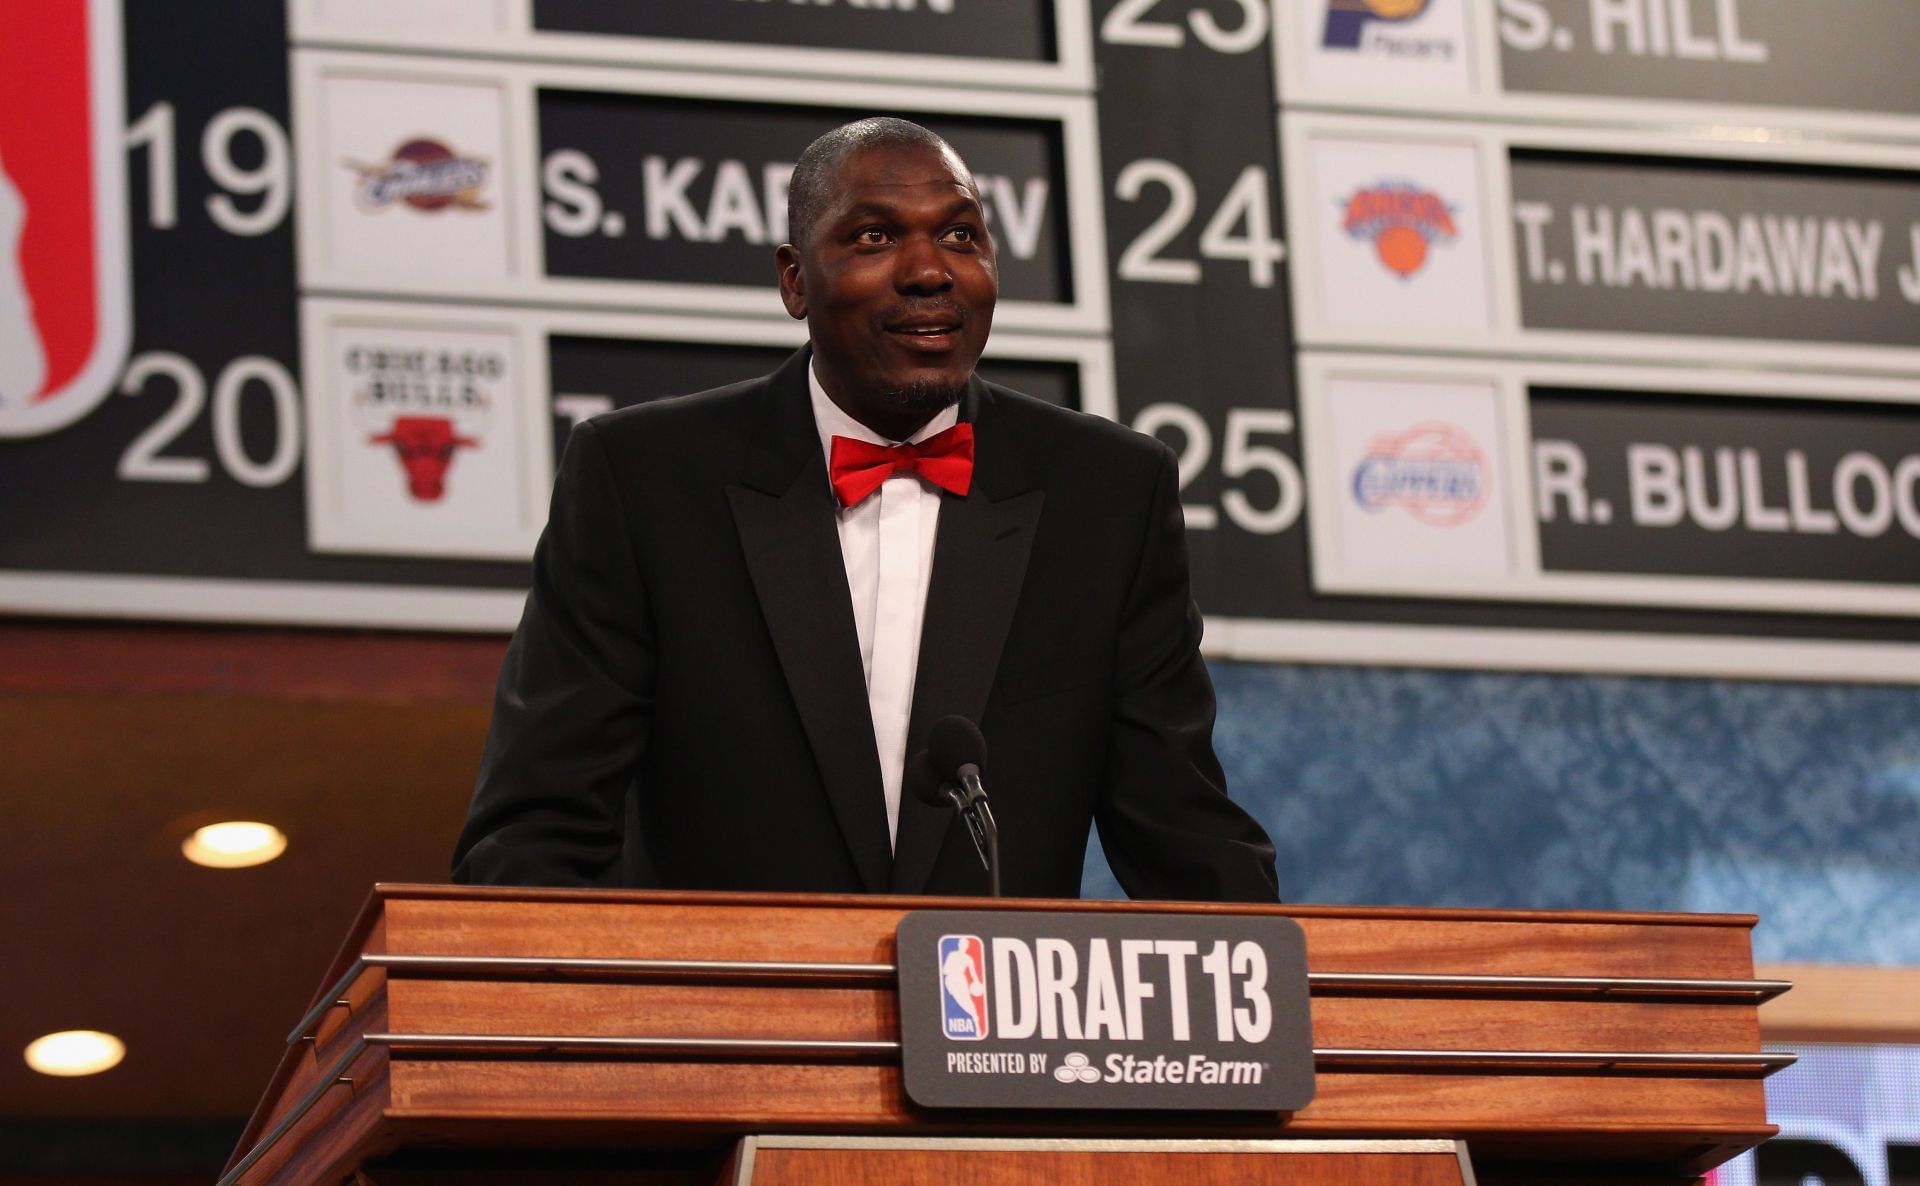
x,y
831,421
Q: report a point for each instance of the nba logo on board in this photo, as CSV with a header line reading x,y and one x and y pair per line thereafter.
x,y
963,987
65,304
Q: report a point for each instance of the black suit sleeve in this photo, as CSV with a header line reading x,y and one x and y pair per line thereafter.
x,y
574,702
1166,824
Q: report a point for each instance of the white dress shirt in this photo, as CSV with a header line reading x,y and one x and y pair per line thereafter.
x,y
887,542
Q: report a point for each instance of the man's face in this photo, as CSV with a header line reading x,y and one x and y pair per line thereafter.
x,y
897,283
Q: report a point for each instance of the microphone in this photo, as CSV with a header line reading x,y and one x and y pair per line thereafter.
x,y
958,752
948,772
923,783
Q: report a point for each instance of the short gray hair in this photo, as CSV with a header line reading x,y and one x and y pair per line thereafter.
x,y
810,191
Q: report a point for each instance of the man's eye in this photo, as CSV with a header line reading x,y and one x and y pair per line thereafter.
x,y
961,234
872,235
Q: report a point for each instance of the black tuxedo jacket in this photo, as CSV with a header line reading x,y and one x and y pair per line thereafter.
x,y
683,704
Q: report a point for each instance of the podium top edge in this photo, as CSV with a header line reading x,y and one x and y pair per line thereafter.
x,y
400,891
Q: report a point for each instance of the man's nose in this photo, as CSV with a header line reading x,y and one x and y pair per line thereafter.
x,y
922,267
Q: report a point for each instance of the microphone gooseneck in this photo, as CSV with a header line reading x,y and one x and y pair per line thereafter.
x,y
948,770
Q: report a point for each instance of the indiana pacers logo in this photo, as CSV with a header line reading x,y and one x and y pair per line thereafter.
x,y
1402,220
1347,20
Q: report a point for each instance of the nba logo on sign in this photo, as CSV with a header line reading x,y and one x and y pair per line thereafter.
x,y
963,987
64,296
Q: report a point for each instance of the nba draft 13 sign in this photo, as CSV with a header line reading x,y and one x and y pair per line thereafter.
x,y
1014,1009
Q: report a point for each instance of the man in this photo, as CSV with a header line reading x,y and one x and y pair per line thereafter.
x,y
728,654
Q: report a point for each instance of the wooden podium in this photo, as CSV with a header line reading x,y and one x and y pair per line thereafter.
x,y
479,1035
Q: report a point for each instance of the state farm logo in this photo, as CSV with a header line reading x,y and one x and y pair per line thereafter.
x,y
1434,472
963,987
1075,1068
426,405
1402,220
424,174
1348,21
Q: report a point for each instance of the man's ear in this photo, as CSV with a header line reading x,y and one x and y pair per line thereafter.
x,y
793,283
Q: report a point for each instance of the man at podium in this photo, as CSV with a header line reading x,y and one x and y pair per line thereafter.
x,y
749,605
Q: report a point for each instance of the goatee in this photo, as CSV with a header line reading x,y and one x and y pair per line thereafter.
x,y
926,397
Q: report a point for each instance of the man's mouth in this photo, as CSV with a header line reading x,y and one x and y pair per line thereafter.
x,y
931,332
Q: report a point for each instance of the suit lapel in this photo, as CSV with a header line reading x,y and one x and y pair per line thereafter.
x,y
783,511
979,562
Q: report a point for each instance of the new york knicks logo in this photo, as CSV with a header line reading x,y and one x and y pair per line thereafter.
x,y
1402,221
66,311
1347,20
1433,471
963,987
425,175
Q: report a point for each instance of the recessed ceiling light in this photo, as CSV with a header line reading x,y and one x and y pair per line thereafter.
x,y
75,1052
234,844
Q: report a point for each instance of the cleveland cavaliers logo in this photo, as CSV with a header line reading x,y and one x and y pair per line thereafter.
x,y
424,174
65,308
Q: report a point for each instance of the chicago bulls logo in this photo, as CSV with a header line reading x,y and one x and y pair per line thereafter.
x,y
65,304
425,445
426,405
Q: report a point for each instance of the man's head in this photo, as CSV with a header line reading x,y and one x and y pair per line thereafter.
x,y
892,269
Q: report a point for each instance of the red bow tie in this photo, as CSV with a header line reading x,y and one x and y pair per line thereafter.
x,y
857,468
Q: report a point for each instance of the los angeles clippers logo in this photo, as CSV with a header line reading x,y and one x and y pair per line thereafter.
x,y
963,987
1402,220
65,303
1347,20
1434,472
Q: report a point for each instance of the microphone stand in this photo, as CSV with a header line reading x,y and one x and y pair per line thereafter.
x,y
970,800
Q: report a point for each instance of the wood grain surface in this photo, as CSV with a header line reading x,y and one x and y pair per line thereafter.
x,y
1843,1003
871,1167
1660,1123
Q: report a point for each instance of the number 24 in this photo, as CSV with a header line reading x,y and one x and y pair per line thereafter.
x,y
1245,204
